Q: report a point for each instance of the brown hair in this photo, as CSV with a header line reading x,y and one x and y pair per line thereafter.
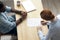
x,y
47,15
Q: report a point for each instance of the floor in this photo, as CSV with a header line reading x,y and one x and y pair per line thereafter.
x,y
53,5
8,3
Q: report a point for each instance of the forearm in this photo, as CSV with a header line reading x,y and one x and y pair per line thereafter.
x,y
16,11
19,21
22,13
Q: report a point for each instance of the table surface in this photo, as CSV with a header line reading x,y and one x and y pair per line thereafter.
x,y
25,32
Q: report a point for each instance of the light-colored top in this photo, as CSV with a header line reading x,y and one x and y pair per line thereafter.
x,y
54,30
7,23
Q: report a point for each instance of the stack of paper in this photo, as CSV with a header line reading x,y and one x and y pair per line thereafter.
x,y
34,22
28,5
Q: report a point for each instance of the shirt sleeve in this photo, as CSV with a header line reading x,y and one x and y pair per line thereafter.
x,y
41,35
11,19
49,35
6,25
48,23
8,9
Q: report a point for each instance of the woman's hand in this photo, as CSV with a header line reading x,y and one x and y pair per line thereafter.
x,y
44,22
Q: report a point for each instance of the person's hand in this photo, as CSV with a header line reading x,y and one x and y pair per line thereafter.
x,y
43,22
39,28
24,15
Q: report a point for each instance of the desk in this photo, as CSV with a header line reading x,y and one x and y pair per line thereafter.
x,y
25,32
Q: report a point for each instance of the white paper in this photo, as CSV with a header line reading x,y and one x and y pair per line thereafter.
x,y
28,5
34,22
58,16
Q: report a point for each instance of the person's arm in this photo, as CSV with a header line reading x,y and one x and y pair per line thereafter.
x,y
20,20
22,13
9,9
44,22
23,16
18,12
7,24
42,36
40,33
49,35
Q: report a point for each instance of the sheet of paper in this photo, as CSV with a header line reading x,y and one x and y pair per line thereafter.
x,y
34,22
58,16
28,5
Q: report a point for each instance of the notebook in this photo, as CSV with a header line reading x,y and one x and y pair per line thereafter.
x,y
28,5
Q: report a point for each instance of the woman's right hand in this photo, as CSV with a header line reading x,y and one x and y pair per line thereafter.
x,y
44,22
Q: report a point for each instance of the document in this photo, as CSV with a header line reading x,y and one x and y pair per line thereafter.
x,y
58,16
28,5
34,22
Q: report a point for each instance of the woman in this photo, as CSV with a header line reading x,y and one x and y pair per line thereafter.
x,y
54,26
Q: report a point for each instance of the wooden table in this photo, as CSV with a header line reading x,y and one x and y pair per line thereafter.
x,y
25,32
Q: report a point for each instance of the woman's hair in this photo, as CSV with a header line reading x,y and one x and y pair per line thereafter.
x,y
47,15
